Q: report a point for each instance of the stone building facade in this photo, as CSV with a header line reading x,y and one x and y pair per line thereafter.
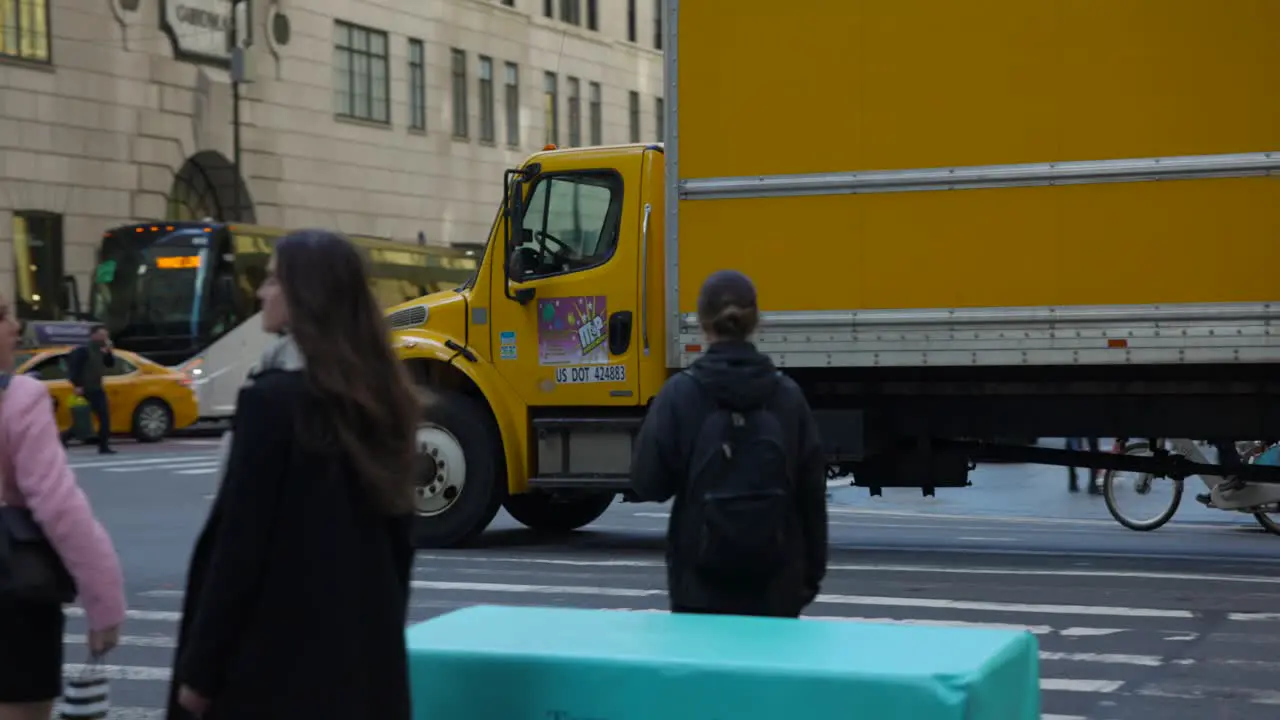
x,y
393,118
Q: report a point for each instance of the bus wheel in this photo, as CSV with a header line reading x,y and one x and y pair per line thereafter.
x,y
152,421
557,513
460,479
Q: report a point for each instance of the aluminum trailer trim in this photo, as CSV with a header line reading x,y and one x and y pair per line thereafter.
x,y
984,177
1075,335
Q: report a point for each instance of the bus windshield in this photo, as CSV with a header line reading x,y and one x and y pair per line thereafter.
x,y
151,287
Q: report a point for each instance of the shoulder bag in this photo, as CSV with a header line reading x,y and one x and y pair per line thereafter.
x,y
30,568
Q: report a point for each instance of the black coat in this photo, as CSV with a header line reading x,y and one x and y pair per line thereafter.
x,y
735,375
297,594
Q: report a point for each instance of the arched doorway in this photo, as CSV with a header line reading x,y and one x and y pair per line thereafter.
x,y
208,186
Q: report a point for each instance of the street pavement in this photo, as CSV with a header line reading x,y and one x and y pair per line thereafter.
x,y
1180,624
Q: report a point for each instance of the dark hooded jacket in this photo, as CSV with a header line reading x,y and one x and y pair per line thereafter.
x,y
738,376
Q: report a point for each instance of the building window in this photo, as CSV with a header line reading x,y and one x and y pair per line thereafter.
x,y
593,15
24,29
571,11
37,264
658,7
631,20
488,132
548,8
659,118
512,99
575,112
633,112
550,107
459,70
597,121
417,86
361,88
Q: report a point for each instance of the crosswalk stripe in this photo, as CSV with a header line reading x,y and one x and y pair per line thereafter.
x,y
145,464
859,567
169,643
822,599
140,464
148,468
162,674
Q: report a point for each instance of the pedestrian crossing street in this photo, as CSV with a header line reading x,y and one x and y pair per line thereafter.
x,y
183,464
1099,659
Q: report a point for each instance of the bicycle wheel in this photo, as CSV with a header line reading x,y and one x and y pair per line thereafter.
x,y
1116,485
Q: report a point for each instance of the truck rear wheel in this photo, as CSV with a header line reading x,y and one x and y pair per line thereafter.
x,y
556,513
461,477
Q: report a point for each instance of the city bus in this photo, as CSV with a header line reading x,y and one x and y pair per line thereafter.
x,y
184,294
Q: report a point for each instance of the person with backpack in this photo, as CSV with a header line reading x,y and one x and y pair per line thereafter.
x,y
734,442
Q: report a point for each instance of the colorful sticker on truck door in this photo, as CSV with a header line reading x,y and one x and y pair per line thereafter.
x,y
507,345
571,331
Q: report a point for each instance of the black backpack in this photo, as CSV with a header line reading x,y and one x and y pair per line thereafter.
x,y
740,510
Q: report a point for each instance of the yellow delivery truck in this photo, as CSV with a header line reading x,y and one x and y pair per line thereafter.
x,y
966,222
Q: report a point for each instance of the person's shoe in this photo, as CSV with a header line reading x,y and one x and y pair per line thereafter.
x,y
106,451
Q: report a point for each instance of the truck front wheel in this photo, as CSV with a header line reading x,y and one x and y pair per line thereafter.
x,y
461,475
557,513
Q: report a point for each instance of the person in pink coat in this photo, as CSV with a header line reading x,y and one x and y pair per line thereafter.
x,y
34,474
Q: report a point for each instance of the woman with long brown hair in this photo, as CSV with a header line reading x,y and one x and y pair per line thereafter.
x,y
298,589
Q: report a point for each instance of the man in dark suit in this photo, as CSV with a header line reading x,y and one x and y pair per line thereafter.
x,y
87,365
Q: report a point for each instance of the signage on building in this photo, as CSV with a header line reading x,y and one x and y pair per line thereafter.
x,y
55,332
198,29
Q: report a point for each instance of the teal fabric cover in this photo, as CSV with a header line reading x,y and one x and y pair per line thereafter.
x,y
534,663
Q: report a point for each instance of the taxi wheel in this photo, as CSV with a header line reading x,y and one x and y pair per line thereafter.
x,y
152,420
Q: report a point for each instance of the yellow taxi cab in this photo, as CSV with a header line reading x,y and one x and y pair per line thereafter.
x,y
146,400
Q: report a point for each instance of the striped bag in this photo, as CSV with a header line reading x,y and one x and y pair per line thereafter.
x,y
87,696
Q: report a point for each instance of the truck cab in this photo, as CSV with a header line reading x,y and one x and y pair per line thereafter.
x,y
538,368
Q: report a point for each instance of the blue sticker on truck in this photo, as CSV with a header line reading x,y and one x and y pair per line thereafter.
x,y
507,345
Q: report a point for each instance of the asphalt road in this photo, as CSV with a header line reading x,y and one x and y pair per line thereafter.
x,y
1178,624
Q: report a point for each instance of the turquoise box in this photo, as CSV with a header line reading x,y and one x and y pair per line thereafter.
x,y
533,663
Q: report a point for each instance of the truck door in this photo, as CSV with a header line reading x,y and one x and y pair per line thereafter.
x,y
573,341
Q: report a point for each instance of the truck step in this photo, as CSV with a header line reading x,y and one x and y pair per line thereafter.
x,y
587,424
581,482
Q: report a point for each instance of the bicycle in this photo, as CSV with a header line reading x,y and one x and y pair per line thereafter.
x,y
1259,500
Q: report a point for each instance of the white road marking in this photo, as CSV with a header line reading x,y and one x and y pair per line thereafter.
x,y
149,615
138,464
169,643
162,674
988,539
198,471
822,599
846,567
180,466
155,641
141,713
120,672
1104,658
1079,685
1254,617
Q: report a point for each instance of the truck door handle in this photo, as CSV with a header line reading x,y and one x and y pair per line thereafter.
x,y
619,332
